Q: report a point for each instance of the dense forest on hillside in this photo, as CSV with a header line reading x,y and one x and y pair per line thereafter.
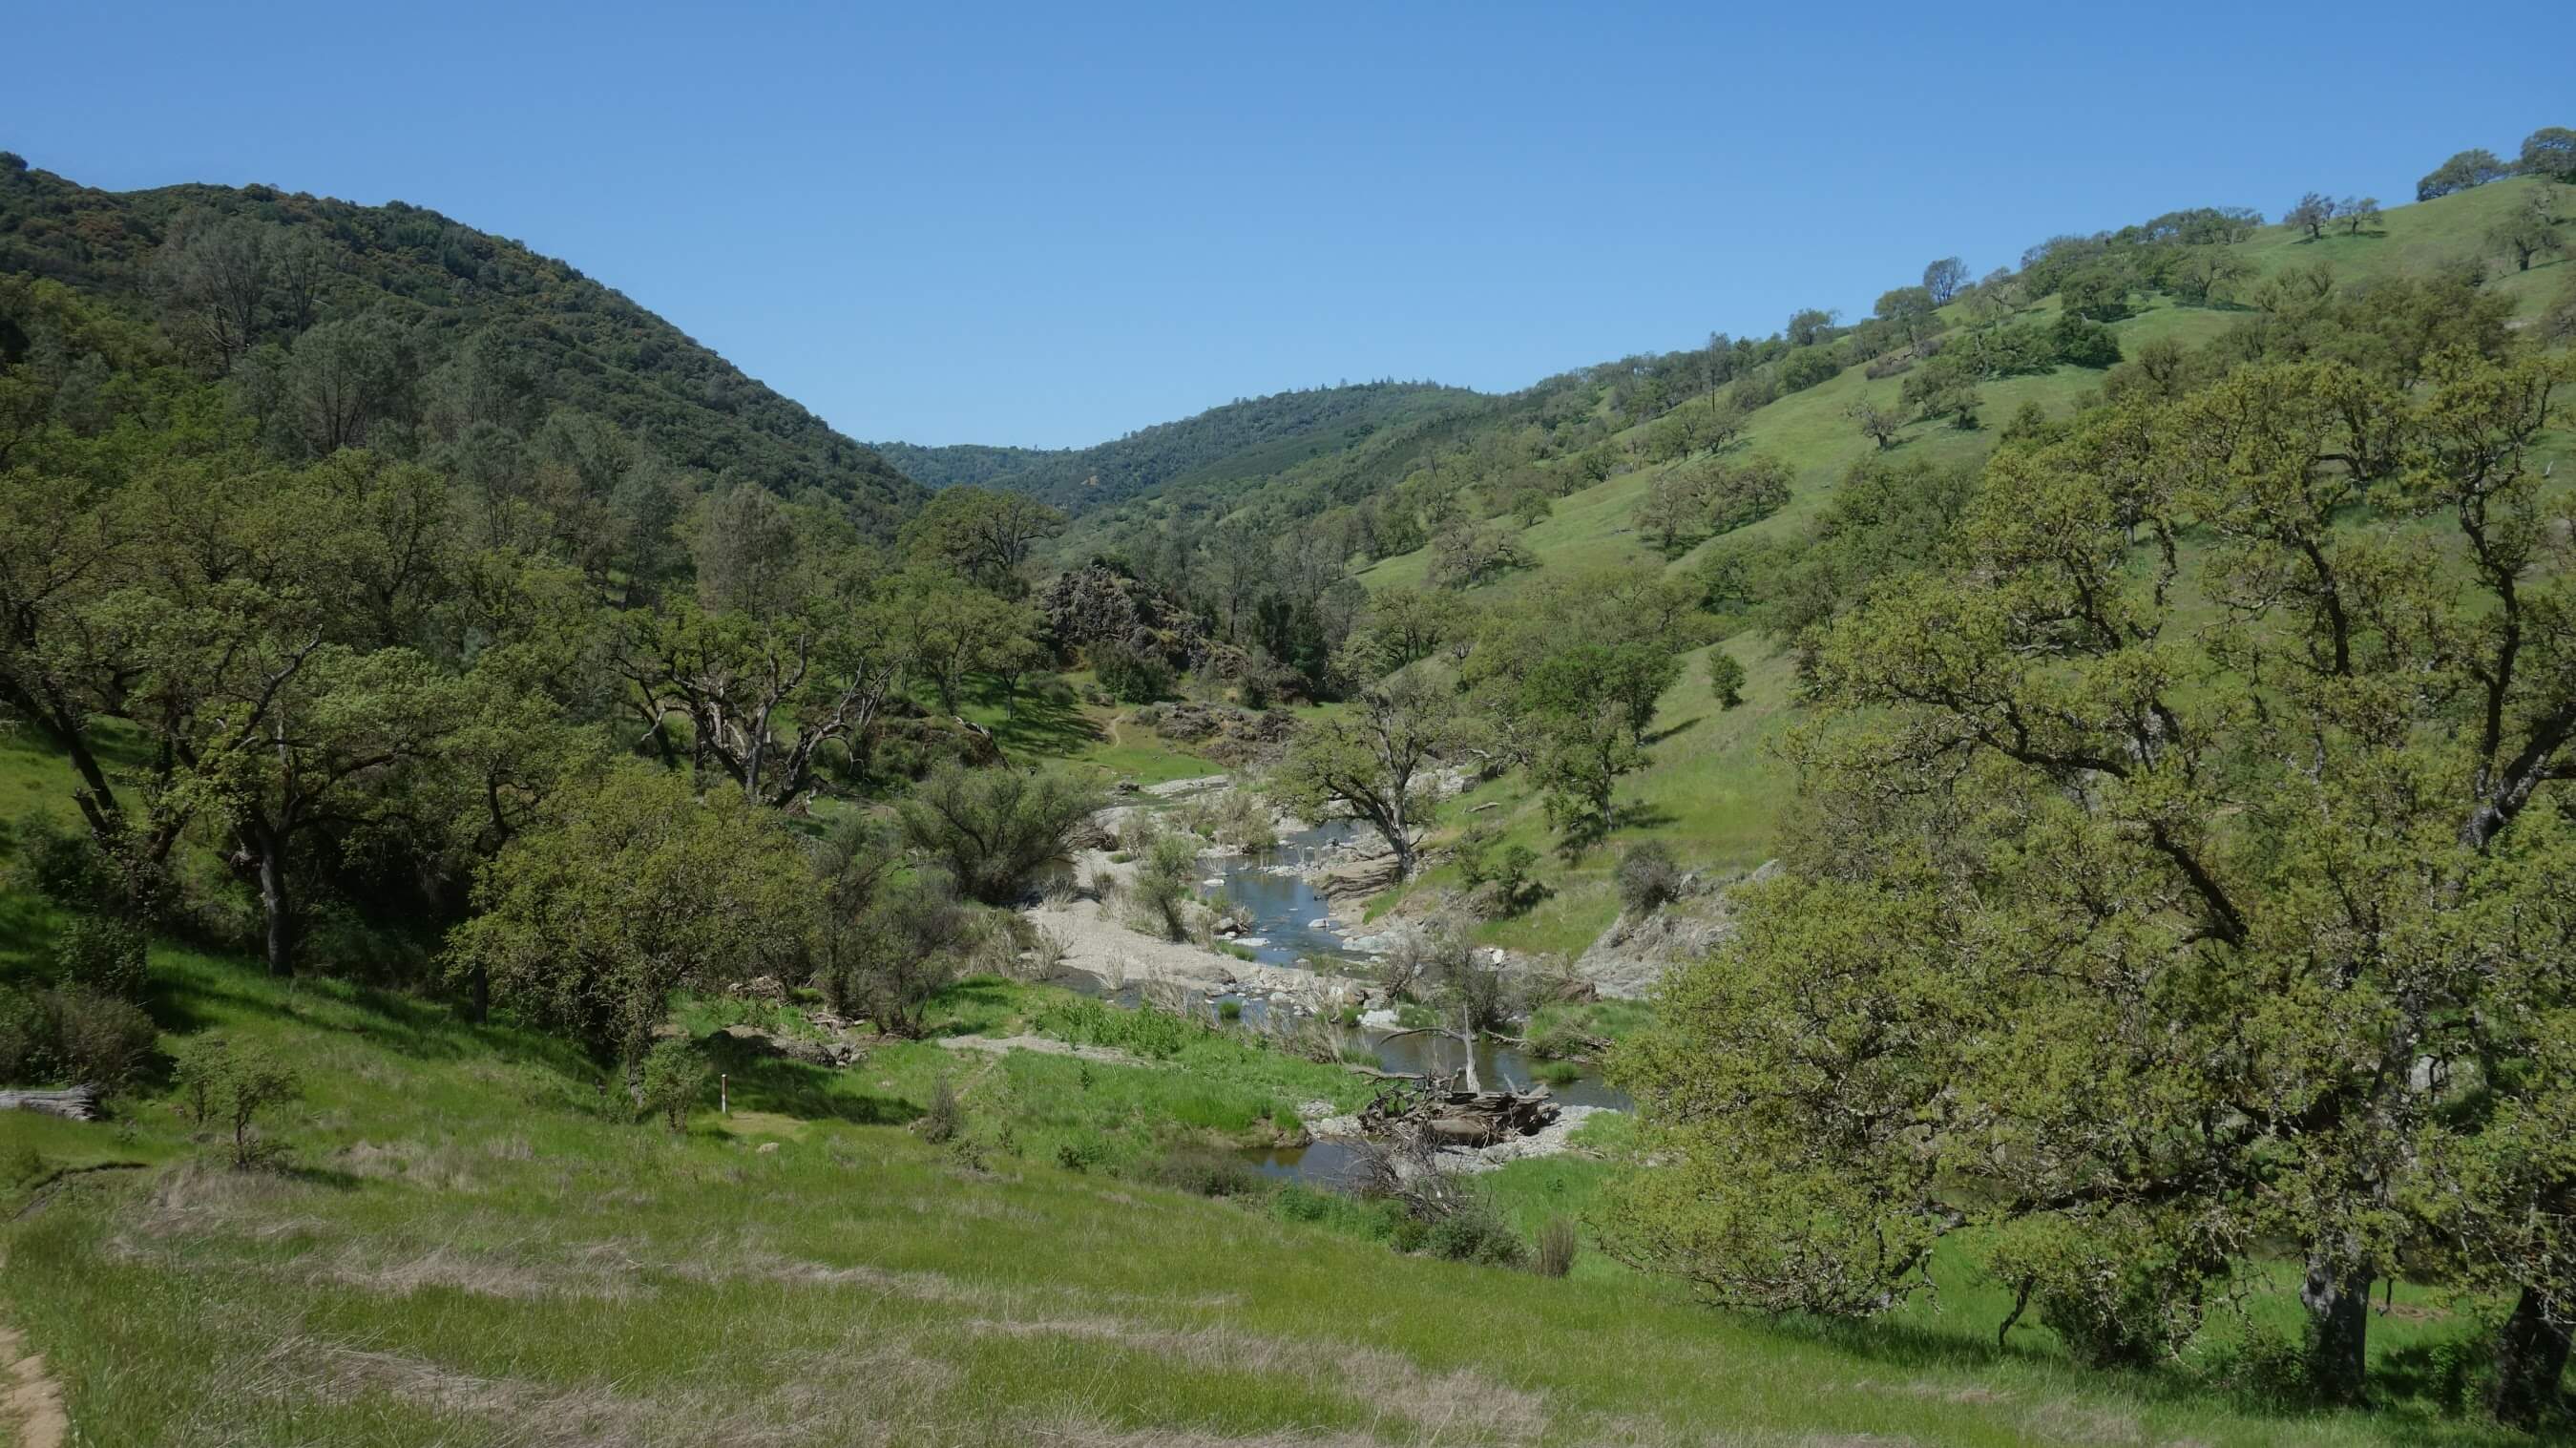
x,y
1247,440
2167,652
430,327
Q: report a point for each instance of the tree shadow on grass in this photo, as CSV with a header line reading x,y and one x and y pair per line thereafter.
x,y
758,1079
1684,727
2406,1393
197,998
1646,815
971,1006
1054,727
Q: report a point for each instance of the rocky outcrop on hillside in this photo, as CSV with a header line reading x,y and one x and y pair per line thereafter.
x,y
1636,951
1221,732
1097,604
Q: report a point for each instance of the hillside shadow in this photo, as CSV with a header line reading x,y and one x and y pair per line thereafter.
x,y
416,1027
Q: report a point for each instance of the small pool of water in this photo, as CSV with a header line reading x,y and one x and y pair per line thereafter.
x,y
1322,1164
1289,919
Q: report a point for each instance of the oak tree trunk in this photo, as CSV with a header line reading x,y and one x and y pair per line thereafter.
x,y
2531,1357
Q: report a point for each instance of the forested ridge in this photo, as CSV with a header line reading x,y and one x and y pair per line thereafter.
x,y
424,292
2143,674
1245,441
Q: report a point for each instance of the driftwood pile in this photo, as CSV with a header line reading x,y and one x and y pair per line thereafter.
x,y
1449,1116
79,1103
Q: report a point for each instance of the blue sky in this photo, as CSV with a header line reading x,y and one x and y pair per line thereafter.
x,y
1051,225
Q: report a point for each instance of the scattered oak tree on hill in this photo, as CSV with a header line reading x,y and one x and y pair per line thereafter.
x,y
2533,229
1374,762
2549,151
2475,167
2150,949
2310,214
1879,424
1945,279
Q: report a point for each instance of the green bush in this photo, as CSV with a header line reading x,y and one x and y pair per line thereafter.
x,y
98,1039
1725,678
994,827
1408,1234
1129,676
1475,1232
103,954
226,1084
1162,888
1155,1034
1808,366
25,1037
1648,879
2082,343
944,1119
675,1081
1558,1073
64,865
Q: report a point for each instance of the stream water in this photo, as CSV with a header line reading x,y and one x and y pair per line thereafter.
x,y
1291,923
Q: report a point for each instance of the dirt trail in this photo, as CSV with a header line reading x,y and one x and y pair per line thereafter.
x,y
33,1406
1044,1046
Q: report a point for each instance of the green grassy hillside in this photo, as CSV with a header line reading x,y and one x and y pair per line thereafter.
x,y
1712,784
470,1243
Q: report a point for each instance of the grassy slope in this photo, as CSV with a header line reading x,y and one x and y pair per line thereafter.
x,y
473,1246
1712,784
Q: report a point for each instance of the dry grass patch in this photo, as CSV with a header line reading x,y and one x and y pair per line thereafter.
x,y
1459,1402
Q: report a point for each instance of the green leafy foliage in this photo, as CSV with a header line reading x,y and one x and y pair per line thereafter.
x,y
675,1081
226,1083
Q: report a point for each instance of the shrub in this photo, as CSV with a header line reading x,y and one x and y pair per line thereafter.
x,y
103,954
1557,1244
675,1081
994,827
25,1037
1725,678
1229,1010
1475,1232
1131,677
1648,878
1507,868
944,1118
2082,343
1082,1155
97,1039
1558,1073
64,865
1408,1234
226,1084
1808,366
1162,889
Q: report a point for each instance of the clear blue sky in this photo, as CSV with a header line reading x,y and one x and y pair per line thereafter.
x,y
1053,224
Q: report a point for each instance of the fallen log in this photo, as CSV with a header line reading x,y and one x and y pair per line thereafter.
x,y
79,1103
